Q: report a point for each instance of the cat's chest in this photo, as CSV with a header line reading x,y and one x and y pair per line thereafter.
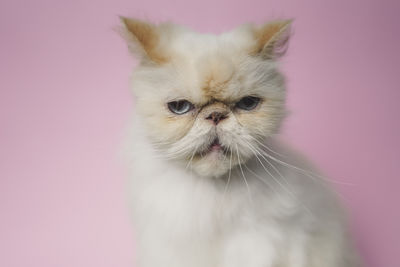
x,y
187,205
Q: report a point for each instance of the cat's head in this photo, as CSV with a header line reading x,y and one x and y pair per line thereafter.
x,y
208,100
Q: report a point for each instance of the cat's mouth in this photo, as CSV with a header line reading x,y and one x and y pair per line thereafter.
x,y
213,147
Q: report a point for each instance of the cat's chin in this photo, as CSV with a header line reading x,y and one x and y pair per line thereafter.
x,y
214,163
211,166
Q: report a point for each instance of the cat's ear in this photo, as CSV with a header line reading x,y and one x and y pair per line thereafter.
x,y
271,39
144,40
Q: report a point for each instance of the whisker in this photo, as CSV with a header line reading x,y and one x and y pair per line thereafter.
x,y
268,148
225,155
270,174
228,181
191,158
321,180
270,164
306,172
290,192
244,178
261,179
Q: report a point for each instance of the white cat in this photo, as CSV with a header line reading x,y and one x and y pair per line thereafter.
x,y
210,186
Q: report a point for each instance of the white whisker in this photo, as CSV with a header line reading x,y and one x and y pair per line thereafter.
x,y
322,179
310,174
270,174
290,192
272,165
191,158
261,179
228,181
244,178
269,149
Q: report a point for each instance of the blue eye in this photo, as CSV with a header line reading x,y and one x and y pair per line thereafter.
x,y
180,107
248,103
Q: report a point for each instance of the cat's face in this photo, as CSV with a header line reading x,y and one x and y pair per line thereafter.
x,y
207,101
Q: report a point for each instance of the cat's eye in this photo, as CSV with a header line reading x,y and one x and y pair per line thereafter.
x,y
248,103
180,107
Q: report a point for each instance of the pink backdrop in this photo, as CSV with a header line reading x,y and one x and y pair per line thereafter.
x,y
64,102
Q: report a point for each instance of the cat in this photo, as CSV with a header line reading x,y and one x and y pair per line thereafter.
x,y
211,184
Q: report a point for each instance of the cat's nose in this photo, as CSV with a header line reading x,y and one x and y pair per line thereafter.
x,y
215,117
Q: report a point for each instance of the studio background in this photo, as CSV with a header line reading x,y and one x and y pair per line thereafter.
x,y
65,102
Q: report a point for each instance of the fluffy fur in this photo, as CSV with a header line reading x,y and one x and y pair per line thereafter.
x,y
248,201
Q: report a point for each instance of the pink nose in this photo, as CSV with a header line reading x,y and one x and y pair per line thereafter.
x,y
216,117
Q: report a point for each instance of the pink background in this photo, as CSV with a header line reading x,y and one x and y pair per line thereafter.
x,y
64,102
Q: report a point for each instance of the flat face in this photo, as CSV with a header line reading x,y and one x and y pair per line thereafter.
x,y
211,102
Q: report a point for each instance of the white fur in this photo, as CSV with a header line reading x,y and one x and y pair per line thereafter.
x,y
226,211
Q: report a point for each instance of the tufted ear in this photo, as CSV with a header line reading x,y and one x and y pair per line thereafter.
x,y
272,39
144,40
